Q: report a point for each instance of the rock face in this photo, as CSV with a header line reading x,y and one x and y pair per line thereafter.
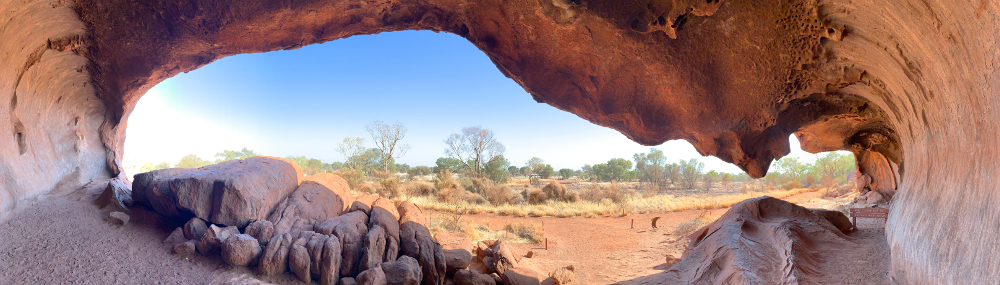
x,y
761,241
231,193
734,78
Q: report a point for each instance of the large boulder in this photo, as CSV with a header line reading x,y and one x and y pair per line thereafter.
x,y
195,228
231,193
299,261
563,275
212,240
320,197
416,241
352,240
385,215
240,250
275,258
403,271
142,182
503,257
315,247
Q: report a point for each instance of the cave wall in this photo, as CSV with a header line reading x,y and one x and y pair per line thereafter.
x,y
909,83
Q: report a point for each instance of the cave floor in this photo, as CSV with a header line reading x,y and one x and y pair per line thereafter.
x,y
64,239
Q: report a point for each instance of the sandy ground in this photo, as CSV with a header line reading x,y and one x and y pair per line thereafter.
x,y
65,240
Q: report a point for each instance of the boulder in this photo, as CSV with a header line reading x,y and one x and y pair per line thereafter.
x,y
175,237
408,212
118,218
417,242
562,275
385,215
212,240
184,248
503,257
275,258
352,218
371,276
371,255
837,218
141,183
348,281
451,240
315,248
352,244
874,197
490,264
195,228
520,276
359,206
456,259
472,277
403,271
320,197
484,249
262,231
299,261
240,250
329,268
116,194
232,193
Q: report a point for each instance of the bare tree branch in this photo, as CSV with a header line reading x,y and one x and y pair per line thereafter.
x,y
388,139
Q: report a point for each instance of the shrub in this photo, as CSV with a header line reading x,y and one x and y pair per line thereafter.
x,y
702,220
572,196
555,191
536,196
445,180
526,231
367,188
389,187
790,185
650,190
353,177
418,188
498,194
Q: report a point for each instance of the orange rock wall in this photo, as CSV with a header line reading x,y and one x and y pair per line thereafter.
x,y
912,83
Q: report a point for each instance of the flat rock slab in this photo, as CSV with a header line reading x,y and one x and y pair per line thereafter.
x,y
232,193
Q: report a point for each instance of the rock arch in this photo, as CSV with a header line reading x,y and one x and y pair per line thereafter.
x,y
912,83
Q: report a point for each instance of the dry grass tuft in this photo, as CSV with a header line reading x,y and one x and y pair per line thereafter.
x,y
418,188
528,232
702,220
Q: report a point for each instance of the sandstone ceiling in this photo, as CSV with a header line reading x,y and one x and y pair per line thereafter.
x,y
909,86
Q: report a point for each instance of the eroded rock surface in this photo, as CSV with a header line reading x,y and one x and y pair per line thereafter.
x,y
914,82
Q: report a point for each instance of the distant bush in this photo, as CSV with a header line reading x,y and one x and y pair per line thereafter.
x,y
834,192
389,187
445,180
498,194
535,196
367,188
555,191
598,194
791,185
419,171
418,188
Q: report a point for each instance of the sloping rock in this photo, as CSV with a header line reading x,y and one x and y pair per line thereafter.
x,y
385,215
403,271
240,250
352,218
142,182
320,197
760,241
248,190
359,206
503,257
315,248
352,240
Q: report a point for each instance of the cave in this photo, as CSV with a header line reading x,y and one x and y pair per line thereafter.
x,y
908,86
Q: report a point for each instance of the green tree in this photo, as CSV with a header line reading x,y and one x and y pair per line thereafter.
x,y
616,169
690,171
419,171
192,161
547,171
514,171
227,155
566,173
447,163
710,178
790,167
403,168
496,170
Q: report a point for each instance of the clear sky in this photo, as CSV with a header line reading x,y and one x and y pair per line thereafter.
x,y
305,101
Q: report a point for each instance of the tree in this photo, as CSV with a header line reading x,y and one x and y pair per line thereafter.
x,y
402,168
725,178
616,169
673,172
192,161
227,155
650,166
710,178
566,173
419,171
351,147
496,170
388,140
690,171
514,171
790,166
474,147
547,171
536,165
310,166
447,163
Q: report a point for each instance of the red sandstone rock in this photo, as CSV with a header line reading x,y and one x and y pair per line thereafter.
x,y
320,197
195,228
240,250
262,230
403,271
453,240
275,257
472,277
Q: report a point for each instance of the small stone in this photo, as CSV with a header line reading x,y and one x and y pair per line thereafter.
x,y
562,275
184,248
404,271
212,240
195,228
118,218
262,231
372,276
175,237
348,281
530,254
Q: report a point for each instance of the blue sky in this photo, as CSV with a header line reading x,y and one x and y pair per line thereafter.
x,y
305,101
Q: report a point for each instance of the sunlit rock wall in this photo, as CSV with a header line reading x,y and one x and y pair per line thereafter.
x,y
909,86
